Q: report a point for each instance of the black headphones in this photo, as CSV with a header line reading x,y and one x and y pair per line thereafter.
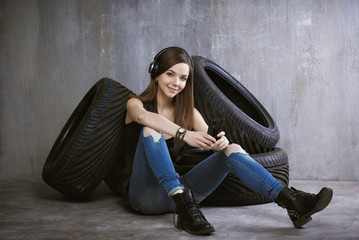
x,y
154,64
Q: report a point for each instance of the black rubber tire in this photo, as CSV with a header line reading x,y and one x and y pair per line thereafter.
x,y
88,144
218,94
232,192
118,174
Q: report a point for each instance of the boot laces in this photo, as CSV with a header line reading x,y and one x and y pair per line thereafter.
x,y
194,209
302,195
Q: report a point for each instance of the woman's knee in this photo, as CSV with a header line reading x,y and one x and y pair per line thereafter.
x,y
151,132
232,148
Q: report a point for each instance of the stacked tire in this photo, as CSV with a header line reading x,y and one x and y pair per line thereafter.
x,y
219,95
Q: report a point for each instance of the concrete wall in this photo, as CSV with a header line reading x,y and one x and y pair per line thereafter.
x,y
299,58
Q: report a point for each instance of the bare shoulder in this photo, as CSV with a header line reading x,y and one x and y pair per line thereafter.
x,y
197,115
198,122
196,112
134,107
134,103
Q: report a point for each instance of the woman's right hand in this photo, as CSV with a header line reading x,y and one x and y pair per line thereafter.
x,y
199,139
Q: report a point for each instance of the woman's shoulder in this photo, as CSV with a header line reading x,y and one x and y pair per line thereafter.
x,y
134,107
134,101
196,113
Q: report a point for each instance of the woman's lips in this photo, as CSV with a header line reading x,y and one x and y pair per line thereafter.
x,y
173,90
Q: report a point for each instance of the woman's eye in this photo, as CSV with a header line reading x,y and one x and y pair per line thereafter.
x,y
184,78
170,74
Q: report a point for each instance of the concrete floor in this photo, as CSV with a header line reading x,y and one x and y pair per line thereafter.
x,y
29,209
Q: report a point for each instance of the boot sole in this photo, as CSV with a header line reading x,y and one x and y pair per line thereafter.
x,y
202,232
321,204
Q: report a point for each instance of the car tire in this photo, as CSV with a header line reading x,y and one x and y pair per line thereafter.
x,y
218,94
89,143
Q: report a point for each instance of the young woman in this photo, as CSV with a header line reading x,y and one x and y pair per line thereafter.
x,y
161,122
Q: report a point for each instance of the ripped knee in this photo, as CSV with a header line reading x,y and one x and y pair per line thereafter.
x,y
232,148
150,132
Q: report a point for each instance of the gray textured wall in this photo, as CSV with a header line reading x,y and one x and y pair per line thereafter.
x,y
299,58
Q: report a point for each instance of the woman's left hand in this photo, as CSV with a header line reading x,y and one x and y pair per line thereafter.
x,y
221,144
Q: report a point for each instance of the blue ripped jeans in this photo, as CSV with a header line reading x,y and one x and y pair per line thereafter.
x,y
154,178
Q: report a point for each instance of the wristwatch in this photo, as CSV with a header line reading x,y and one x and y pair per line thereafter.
x,y
181,130
180,133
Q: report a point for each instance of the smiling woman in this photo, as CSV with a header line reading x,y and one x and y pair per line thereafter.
x,y
161,124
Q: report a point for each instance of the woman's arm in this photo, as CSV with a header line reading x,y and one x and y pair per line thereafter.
x,y
136,112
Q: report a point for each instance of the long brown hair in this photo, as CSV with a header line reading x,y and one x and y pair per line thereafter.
x,y
183,102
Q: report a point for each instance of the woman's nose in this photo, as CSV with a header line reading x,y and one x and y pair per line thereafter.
x,y
176,81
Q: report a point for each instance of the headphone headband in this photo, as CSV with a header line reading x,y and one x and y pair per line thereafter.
x,y
154,64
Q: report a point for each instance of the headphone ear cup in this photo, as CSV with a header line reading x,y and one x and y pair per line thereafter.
x,y
154,68
150,68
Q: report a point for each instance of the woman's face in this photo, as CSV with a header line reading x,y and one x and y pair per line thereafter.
x,y
173,81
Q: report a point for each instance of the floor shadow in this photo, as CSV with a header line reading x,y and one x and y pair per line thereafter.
x,y
101,193
45,192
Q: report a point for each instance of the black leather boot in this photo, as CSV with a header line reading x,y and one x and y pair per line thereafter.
x,y
190,218
301,205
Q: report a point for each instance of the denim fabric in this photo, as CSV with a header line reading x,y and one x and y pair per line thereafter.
x,y
154,178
